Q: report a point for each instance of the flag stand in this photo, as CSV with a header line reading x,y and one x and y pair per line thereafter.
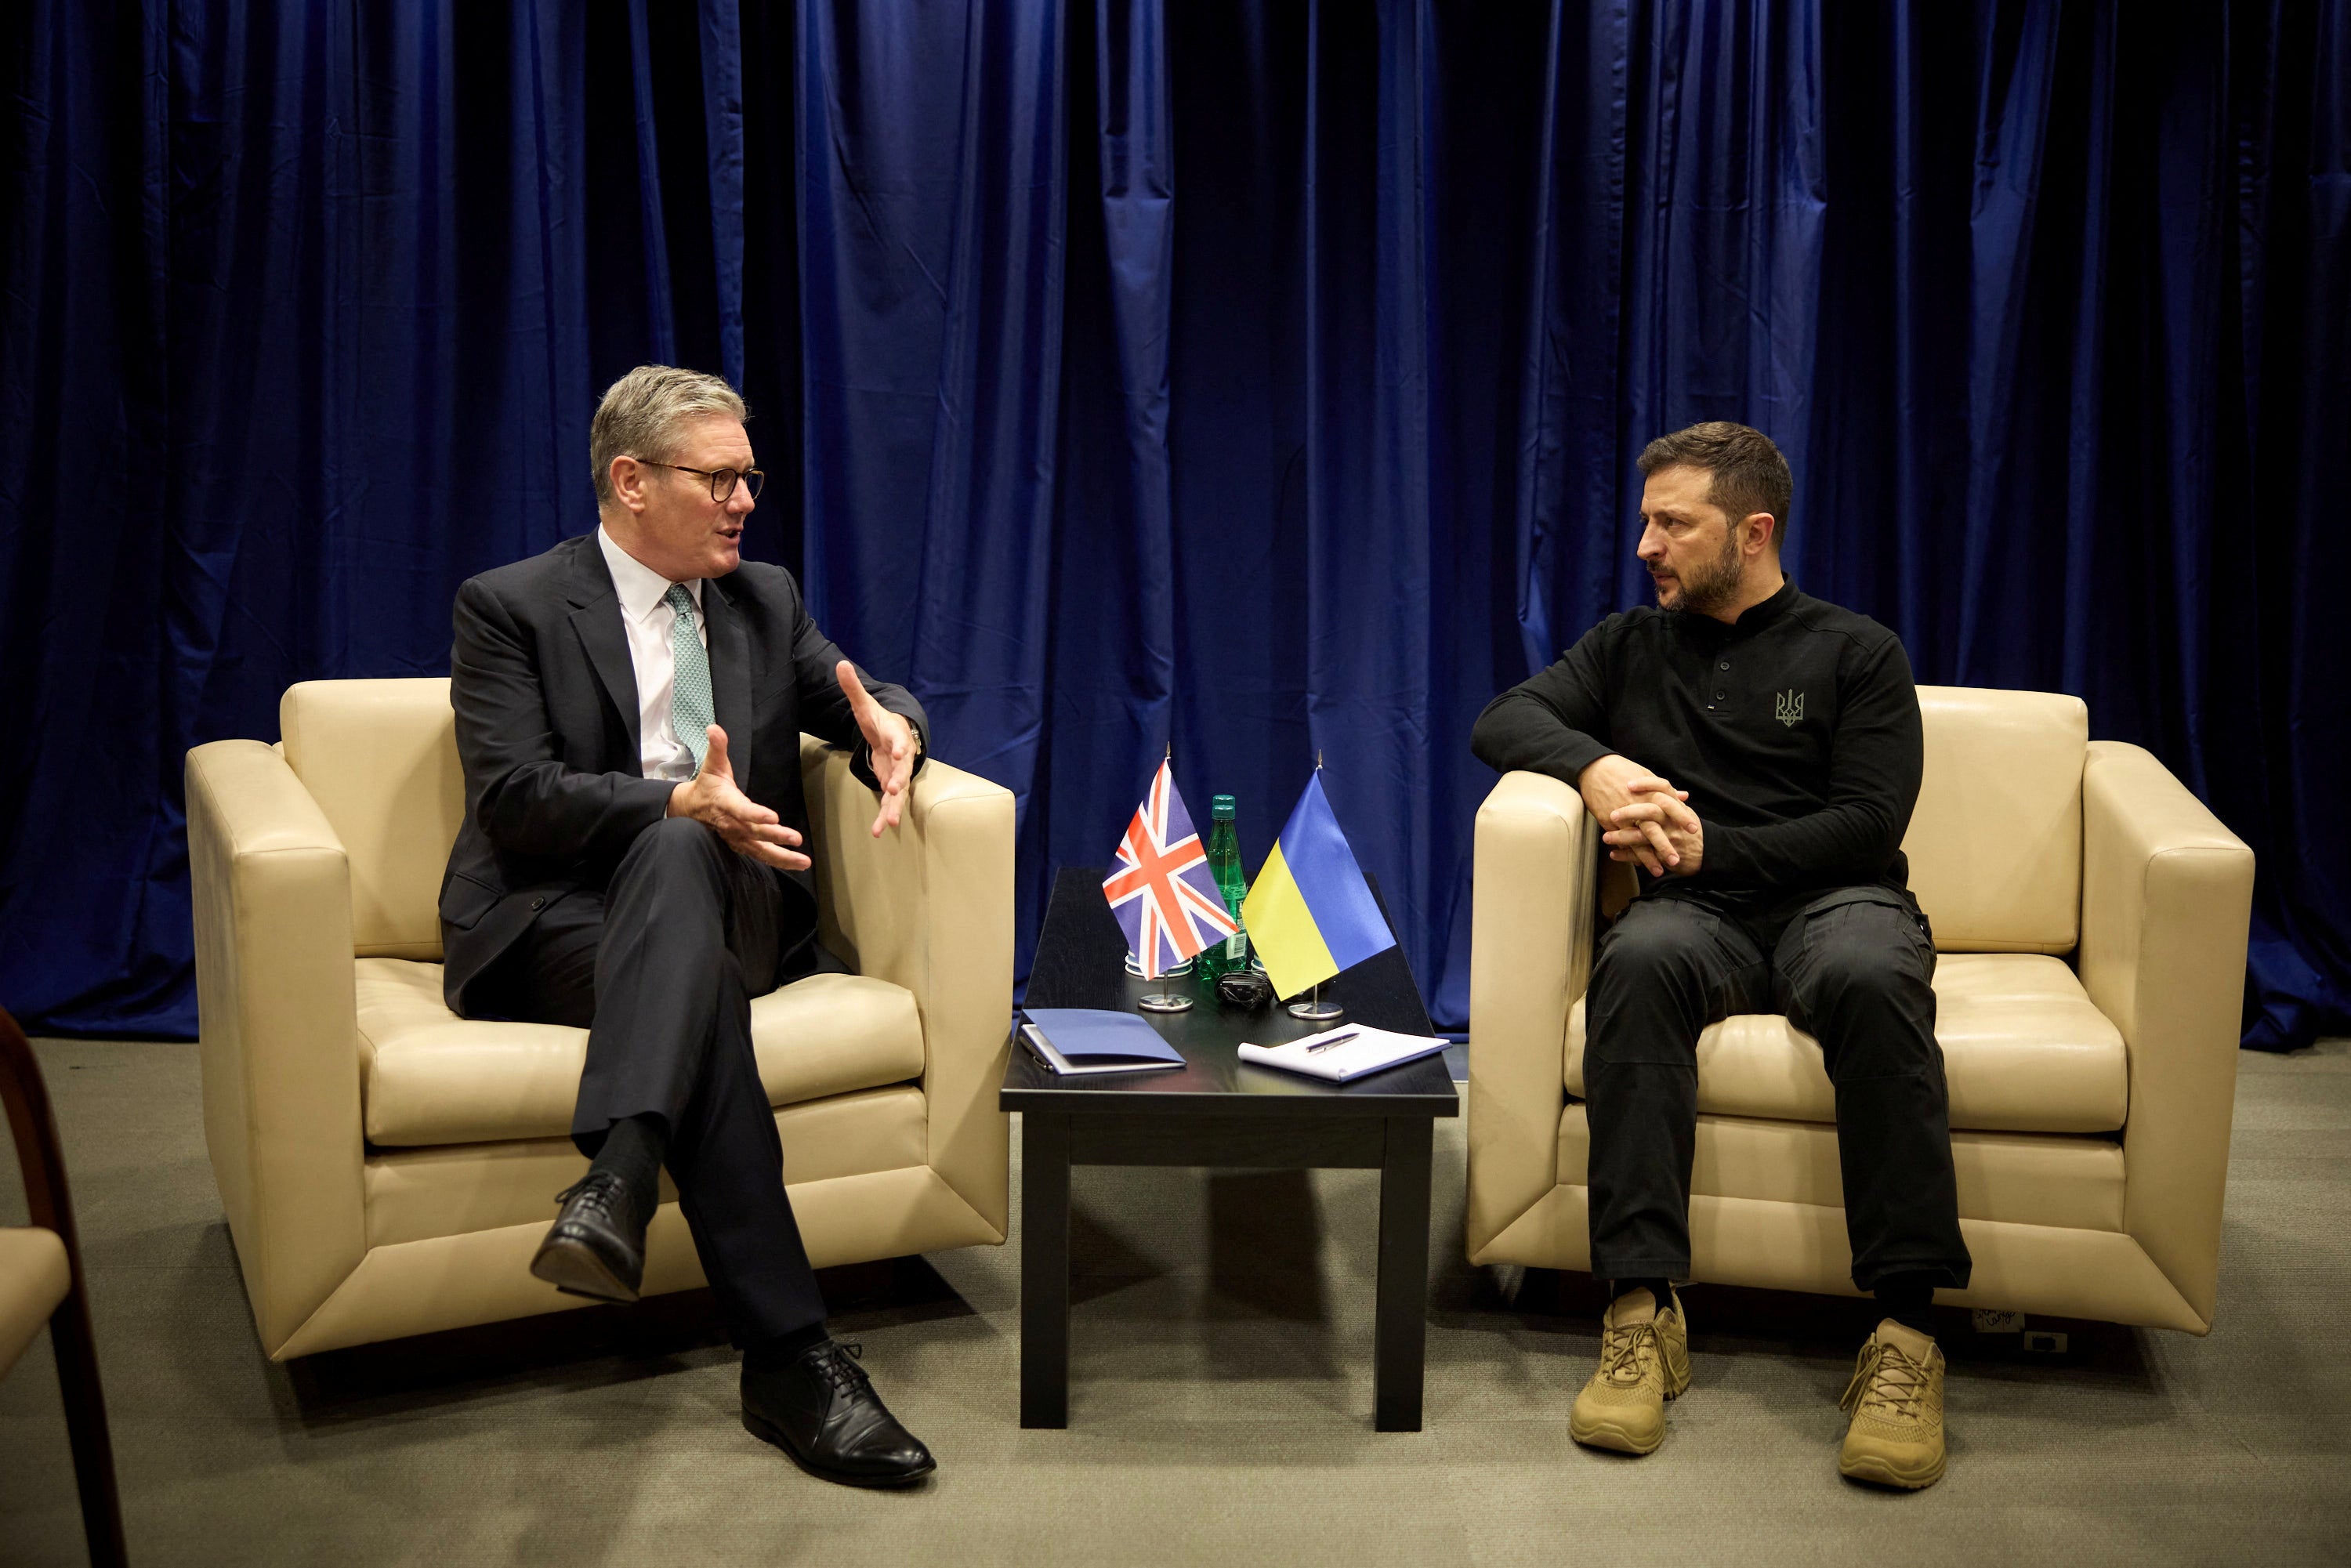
x,y
1314,1009
1164,1000
1311,1007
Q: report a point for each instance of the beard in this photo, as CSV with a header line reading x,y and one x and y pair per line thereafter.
x,y
1710,587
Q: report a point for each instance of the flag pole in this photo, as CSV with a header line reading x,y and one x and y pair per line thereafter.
x,y
1311,1007
1166,999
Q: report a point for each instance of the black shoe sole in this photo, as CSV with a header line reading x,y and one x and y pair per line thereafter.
x,y
767,1432
574,1269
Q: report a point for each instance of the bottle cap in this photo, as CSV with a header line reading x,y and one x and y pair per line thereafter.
x,y
1221,808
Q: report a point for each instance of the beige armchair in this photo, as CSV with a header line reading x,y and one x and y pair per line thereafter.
x,y
387,1168
2090,917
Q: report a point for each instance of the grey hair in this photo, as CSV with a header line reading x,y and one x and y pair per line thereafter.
x,y
641,412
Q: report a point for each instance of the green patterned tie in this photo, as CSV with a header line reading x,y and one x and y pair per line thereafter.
x,y
690,715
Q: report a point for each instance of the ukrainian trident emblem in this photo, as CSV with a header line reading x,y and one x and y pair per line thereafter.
x,y
1788,708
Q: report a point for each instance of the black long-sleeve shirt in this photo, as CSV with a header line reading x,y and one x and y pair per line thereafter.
x,y
1796,731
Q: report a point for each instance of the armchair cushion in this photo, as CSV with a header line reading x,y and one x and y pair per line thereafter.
x,y
1995,841
34,1277
2024,1047
429,1076
380,758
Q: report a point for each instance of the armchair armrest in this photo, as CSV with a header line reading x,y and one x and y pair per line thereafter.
x,y
1532,922
278,1022
929,907
2167,897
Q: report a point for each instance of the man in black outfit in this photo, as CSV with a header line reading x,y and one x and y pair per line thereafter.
x,y
629,712
1756,753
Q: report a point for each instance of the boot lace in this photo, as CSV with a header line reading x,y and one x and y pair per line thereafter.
x,y
1627,1353
1886,1382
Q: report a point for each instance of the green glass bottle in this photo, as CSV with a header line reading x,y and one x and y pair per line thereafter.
x,y
1225,865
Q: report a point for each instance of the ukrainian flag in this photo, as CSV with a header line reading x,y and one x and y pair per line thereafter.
x,y
1309,914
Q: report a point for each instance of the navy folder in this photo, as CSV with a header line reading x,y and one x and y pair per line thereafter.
x,y
1095,1040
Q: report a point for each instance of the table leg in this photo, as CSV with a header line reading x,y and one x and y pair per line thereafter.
x,y
1045,1267
1400,1334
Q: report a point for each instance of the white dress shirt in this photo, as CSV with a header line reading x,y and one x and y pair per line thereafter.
x,y
647,621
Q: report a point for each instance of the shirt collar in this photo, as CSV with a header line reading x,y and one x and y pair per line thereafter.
x,y
1755,617
640,587
1712,634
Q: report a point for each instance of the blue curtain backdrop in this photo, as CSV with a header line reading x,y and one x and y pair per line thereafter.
x,y
1257,378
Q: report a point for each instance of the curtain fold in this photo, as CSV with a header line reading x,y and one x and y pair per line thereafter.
x,y
1254,381
1370,718
1098,681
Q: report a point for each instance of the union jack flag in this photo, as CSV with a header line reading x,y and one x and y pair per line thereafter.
x,y
1162,892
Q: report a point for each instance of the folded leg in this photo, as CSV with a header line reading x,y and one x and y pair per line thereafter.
x,y
662,968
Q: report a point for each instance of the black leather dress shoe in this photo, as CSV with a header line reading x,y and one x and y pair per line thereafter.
x,y
596,1246
820,1408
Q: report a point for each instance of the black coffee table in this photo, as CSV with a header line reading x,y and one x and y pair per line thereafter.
x,y
1217,1110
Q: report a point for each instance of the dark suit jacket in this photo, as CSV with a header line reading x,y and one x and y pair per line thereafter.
x,y
547,729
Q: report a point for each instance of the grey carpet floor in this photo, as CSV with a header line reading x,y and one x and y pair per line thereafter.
x,y
1221,1404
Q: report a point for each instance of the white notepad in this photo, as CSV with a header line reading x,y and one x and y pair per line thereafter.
x,y
1352,1053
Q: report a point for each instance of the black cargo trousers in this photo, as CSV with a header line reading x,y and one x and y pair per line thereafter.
x,y
1852,967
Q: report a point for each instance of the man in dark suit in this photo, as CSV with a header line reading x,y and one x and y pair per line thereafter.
x,y
629,712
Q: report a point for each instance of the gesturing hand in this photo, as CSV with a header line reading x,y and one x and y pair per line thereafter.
x,y
1656,815
710,797
1615,782
888,737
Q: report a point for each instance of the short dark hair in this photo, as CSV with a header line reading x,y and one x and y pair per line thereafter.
x,y
1750,474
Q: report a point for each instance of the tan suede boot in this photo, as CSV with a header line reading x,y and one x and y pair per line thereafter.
x,y
1896,1401
1643,1362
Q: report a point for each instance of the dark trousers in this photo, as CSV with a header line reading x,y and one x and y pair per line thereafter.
x,y
1852,967
661,968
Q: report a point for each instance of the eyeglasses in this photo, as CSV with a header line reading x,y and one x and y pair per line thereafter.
x,y
722,480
